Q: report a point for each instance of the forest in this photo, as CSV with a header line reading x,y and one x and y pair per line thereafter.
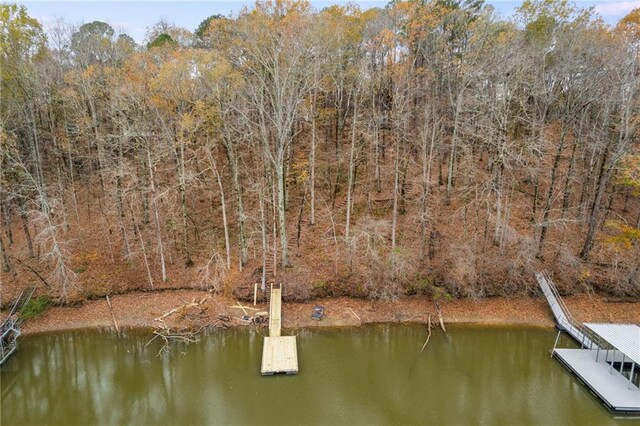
x,y
427,147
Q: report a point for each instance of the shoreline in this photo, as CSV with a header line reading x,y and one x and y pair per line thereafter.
x,y
141,310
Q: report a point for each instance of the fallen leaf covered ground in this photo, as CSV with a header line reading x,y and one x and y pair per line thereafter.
x,y
141,310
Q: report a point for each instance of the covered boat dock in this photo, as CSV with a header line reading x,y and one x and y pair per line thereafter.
x,y
608,361
611,370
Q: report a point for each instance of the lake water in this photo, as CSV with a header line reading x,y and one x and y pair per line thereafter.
x,y
369,375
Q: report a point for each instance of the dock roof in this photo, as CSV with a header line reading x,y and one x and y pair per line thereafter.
x,y
623,337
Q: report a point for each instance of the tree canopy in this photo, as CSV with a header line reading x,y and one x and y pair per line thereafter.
x,y
428,146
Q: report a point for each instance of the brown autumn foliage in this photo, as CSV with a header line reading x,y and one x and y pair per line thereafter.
x,y
423,148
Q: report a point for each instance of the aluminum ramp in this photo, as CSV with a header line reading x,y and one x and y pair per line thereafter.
x,y
564,320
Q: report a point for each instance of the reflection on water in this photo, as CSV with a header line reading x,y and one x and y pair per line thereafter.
x,y
370,375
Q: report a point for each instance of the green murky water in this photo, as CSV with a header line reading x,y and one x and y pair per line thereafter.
x,y
370,375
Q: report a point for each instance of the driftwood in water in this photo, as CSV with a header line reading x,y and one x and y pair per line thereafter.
x,y
221,322
115,323
169,336
187,333
440,318
429,336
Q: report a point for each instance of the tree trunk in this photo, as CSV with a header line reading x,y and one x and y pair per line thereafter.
x,y
566,198
233,166
121,226
6,265
454,145
63,205
394,218
352,155
312,163
156,217
6,219
223,205
376,144
595,207
426,184
263,232
547,206
49,233
74,192
282,224
27,234
142,247
119,207
183,203
274,215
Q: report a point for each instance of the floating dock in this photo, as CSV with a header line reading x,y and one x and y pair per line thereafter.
x,y
609,358
600,375
279,353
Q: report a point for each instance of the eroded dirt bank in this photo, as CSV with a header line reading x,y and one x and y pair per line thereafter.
x,y
140,310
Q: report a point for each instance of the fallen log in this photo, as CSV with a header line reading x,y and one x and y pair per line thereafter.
x,y
354,314
184,307
428,336
183,334
243,307
440,318
115,323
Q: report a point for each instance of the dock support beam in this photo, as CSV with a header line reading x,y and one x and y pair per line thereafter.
x,y
613,358
556,342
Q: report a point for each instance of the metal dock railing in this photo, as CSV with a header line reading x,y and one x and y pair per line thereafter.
x,y
10,327
564,320
593,364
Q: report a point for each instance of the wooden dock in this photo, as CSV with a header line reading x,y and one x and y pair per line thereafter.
x,y
279,353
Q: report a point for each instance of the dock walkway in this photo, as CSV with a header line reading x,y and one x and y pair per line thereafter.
x,y
279,353
275,312
564,320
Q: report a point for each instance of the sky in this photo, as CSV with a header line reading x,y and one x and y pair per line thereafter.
x,y
134,17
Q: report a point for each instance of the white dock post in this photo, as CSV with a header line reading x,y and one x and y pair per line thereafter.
x,y
255,294
613,358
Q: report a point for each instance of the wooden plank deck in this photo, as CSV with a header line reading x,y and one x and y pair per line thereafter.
x,y
608,384
279,353
275,312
